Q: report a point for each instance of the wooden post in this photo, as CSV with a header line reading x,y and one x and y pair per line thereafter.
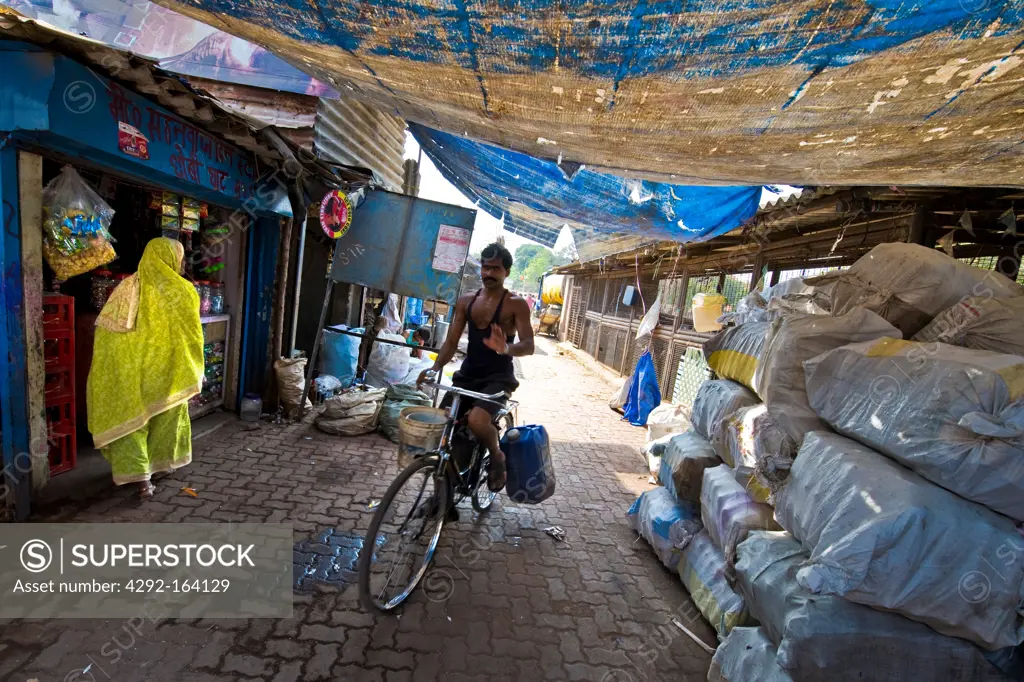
x,y
919,225
684,286
755,277
30,190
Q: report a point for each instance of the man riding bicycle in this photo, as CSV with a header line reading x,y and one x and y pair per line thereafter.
x,y
495,316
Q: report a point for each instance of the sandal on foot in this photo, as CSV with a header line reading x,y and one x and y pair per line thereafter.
x,y
497,473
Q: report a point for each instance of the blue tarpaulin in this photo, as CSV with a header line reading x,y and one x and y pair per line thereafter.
x,y
537,198
702,92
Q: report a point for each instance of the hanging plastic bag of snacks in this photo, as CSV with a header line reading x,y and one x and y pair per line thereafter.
x,y
76,222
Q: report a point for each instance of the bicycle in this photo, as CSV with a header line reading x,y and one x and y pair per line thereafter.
x,y
410,513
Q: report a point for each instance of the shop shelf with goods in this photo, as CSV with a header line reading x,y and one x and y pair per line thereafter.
x,y
216,337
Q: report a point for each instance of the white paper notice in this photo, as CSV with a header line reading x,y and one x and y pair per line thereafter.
x,y
451,249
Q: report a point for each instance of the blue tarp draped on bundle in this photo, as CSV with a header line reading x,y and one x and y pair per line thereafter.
x,y
537,199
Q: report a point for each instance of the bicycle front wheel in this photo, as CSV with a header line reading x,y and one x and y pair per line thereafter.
x,y
403,536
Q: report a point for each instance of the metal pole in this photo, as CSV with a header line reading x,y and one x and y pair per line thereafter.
x,y
316,343
298,289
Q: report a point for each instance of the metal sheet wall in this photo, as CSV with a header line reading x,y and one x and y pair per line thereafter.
x,y
349,132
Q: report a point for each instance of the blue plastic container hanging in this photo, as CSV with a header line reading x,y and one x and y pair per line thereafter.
x,y
531,475
644,394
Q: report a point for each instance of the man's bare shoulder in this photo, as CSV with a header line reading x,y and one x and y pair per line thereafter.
x,y
518,302
464,300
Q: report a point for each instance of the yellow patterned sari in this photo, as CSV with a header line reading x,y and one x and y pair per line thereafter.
x,y
147,362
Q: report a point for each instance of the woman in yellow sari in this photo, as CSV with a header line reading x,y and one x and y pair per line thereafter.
x,y
147,362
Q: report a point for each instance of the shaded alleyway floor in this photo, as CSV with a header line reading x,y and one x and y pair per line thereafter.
x,y
505,601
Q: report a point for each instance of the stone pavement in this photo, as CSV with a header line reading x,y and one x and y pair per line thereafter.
x,y
504,602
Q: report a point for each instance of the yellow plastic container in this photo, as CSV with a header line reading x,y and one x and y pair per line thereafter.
x,y
419,432
707,308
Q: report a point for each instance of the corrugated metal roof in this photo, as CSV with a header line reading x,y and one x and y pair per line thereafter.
x,y
262,106
349,132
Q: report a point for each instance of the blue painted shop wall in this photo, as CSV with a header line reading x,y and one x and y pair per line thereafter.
x,y
14,439
51,103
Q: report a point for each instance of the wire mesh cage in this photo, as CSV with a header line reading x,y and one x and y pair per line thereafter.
x,y
692,371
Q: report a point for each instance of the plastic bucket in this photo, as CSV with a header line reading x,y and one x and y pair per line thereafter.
x,y
419,432
707,308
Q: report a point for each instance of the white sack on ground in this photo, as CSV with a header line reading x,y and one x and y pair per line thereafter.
x,y
823,638
995,324
733,353
621,395
351,413
759,452
665,523
683,462
388,363
705,576
746,655
881,535
716,400
666,419
909,284
729,513
779,378
653,450
953,415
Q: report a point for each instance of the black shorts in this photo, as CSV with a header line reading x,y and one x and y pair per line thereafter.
x,y
489,385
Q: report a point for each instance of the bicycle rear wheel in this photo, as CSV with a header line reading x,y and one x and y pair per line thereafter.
x,y
403,535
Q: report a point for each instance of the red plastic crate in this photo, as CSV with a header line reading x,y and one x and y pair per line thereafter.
x,y
58,314
59,351
62,437
59,387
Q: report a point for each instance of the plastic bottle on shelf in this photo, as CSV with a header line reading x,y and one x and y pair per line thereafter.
x,y
217,298
205,299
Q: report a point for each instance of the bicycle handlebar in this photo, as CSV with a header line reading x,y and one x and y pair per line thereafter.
x,y
469,394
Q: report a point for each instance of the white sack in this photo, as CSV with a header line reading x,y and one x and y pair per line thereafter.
x,y
881,535
795,295
666,419
621,395
717,399
909,284
734,352
351,413
953,415
823,638
751,308
729,513
746,655
779,378
683,462
705,576
388,363
759,452
995,324
667,525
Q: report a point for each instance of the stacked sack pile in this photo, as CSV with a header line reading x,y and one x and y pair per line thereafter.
x,y
880,411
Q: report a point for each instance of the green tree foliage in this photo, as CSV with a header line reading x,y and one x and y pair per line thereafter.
x,y
529,263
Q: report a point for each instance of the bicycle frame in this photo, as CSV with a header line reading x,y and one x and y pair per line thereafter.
x,y
443,449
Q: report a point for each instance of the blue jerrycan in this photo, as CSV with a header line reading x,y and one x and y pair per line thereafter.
x,y
531,475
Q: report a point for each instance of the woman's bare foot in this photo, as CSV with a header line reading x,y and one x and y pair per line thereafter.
x,y
146,489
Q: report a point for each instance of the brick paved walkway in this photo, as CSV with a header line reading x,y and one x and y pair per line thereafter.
x,y
506,602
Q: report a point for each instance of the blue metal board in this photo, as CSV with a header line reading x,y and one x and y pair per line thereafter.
x,y
392,243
